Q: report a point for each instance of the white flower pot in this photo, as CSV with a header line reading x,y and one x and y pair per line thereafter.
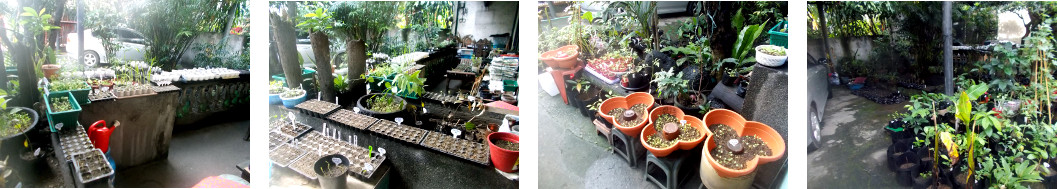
x,y
769,60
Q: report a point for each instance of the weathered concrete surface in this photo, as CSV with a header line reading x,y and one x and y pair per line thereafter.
x,y
767,102
146,126
854,144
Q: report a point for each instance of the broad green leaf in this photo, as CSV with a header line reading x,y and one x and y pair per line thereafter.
x,y
964,107
976,90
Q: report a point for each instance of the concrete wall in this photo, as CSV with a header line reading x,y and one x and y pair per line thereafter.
x,y
234,43
480,21
860,47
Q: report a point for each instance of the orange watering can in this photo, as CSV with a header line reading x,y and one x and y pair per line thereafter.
x,y
99,133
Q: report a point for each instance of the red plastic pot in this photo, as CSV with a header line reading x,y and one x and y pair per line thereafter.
x,y
502,159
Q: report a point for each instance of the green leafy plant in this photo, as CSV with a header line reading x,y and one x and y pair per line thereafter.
x,y
15,121
580,85
276,87
773,50
317,20
341,84
60,104
66,85
742,47
669,84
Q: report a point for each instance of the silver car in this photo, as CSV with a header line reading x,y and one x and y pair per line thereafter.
x,y
130,46
817,94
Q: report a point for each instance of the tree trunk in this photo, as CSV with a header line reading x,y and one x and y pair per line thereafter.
x,y
53,36
356,56
321,49
27,75
283,32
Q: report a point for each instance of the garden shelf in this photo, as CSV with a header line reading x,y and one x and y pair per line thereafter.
x,y
465,149
317,108
352,119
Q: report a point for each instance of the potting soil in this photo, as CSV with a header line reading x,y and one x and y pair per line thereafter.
x,y
512,146
334,171
686,132
754,146
640,110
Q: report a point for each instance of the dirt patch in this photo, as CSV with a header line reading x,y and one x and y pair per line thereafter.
x,y
618,114
507,145
750,147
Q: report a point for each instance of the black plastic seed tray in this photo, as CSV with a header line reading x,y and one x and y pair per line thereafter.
x,y
404,133
317,143
465,149
91,166
351,119
317,108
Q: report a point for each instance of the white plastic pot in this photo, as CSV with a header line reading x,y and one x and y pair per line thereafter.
x,y
769,60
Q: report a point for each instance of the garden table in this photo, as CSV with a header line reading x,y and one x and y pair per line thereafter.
x,y
411,165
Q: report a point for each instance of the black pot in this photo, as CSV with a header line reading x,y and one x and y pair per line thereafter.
x,y
689,109
895,152
728,80
13,144
637,82
335,182
365,108
925,159
923,183
905,175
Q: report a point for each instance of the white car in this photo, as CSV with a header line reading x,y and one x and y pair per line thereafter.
x,y
130,45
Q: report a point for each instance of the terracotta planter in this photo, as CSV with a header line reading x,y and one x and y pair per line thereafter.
x,y
503,159
744,128
626,102
679,145
566,62
50,70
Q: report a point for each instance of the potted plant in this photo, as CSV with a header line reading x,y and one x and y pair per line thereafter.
x,y
729,136
565,57
669,130
770,55
292,97
62,109
50,70
923,180
637,79
730,76
627,113
78,88
275,89
583,94
17,121
503,149
331,171
669,85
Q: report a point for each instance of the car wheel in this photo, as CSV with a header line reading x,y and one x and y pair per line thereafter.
x,y
815,127
91,58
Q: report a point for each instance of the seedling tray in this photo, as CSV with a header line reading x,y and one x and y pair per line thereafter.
x,y
91,166
167,88
352,119
275,139
317,108
465,149
444,98
404,133
293,130
74,142
101,96
314,142
285,154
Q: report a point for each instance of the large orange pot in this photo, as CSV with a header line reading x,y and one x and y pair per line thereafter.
x,y
548,59
744,128
570,60
679,145
626,102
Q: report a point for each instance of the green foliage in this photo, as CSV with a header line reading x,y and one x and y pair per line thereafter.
x,y
318,20
276,87
169,35
744,44
697,53
669,84
773,50
60,104
637,13
66,84
341,84
219,56
1011,174
367,21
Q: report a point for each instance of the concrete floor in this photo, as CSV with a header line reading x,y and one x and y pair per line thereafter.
x,y
572,155
854,144
194,154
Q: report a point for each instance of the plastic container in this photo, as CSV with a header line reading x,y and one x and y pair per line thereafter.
x,y
626,102
291,102
80,94
510,85
745,128
777,37
601,77
335,182
679,145
68,118
503,159
547,83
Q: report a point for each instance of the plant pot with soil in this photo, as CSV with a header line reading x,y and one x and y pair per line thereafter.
x,y
669,130
770,55
50,70
565,57
627,113
503,148
907,166
62,109
635,81
690,101
381,105
331,171
924,180
17,121
735,146
275,89
292,97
